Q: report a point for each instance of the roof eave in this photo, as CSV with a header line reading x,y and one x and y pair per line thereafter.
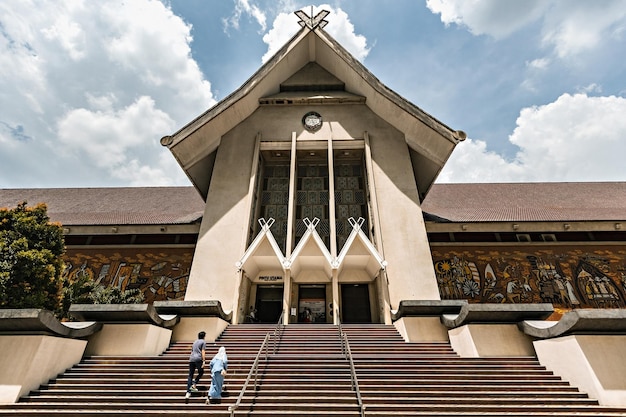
x,y
201,137
196,141
423,133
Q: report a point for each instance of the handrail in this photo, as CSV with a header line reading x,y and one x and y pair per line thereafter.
x,y
345,350
253,370
278,331
343,347
255,365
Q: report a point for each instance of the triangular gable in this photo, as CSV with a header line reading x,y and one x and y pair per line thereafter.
x,y
312,76
310,252
263,254
431,142
358,252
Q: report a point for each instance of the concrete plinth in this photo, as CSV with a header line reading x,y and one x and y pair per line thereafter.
x,y
484,340
27,361
596,364
422,329
129,339
188,328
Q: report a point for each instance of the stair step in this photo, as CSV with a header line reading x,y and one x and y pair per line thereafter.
x,y
395,379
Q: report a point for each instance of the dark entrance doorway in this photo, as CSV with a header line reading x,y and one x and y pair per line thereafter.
x,y
355,303
312,304
269,303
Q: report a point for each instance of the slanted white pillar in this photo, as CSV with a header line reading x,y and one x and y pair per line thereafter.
x,y
335,288
286,296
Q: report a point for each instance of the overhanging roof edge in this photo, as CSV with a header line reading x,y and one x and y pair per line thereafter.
x,y
357,232
265,234
410,108
236,95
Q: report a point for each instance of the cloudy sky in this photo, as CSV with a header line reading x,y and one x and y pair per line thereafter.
x,y
87,88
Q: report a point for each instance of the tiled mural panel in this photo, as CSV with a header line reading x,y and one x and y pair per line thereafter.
x,y
567,276
161,274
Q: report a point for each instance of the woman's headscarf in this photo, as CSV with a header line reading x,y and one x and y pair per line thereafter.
x,y
221,354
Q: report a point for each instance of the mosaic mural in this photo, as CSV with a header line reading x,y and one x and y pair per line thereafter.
x,y
568,277
160,274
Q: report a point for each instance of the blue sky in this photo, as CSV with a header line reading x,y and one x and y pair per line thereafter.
x,y
87,88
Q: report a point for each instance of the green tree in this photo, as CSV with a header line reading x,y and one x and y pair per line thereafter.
x,y
31,265
113,295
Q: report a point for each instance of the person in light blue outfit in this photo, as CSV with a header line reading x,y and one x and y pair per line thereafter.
x,y
218,365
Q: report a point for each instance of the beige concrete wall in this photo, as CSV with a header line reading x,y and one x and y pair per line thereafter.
x,y
422,329
129,339
484,340
593,363
26,362
188,328
405,243
213,274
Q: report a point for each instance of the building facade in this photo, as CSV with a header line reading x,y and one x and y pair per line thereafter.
x,y
315,173
313,200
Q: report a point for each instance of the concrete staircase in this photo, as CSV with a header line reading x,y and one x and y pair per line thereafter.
x,y
309,375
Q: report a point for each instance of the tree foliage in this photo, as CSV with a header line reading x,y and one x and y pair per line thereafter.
x,y
31,265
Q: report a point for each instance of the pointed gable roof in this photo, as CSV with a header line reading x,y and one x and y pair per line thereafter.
x,y
312,77
359,252
431,142
309,251
263,254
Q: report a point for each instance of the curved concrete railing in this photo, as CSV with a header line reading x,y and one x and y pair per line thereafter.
x,y
416,308
209,308
497,313
122,313
40,321
585,321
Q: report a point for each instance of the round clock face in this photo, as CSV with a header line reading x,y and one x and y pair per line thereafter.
x,y
312,121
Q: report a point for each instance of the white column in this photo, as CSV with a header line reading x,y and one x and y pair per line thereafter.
x,y
335,288
239,310
377,241
290,229
292,198
331,200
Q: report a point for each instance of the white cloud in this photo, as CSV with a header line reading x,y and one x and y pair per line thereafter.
x,y
495,18
107,137
575,138
69,36
339,27
90,87
591,88
471,162
569,27
576,26
538,64
244,7
284,27
535,70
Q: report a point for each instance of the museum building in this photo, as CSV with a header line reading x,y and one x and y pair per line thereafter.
x,y
313,200
313,194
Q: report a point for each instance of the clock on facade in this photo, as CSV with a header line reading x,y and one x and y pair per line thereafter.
x,y
312,121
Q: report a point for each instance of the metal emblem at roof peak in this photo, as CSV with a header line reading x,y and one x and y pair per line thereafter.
x,y
310,21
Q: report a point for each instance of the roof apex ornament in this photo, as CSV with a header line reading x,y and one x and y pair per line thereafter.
x,y
310,21
265,225
311,224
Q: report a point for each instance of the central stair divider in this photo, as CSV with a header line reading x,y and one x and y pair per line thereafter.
x,y
275,335
345,350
